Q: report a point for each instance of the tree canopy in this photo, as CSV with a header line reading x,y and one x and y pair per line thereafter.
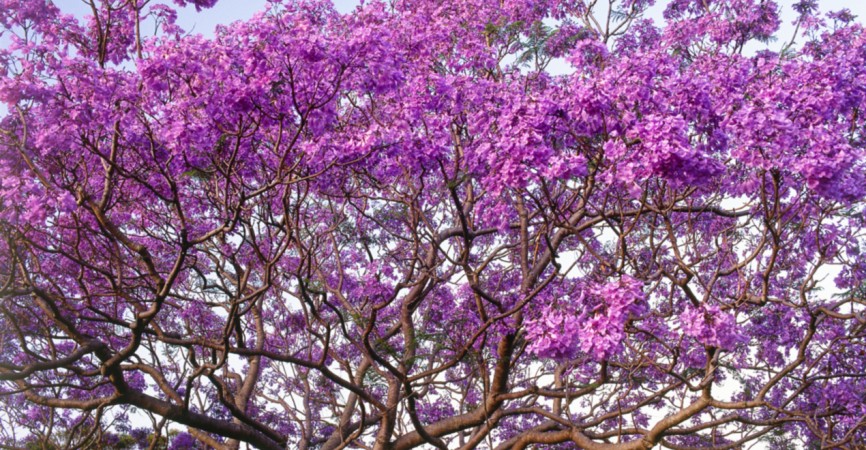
x,y
451,224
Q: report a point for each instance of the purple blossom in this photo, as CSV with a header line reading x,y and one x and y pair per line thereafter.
x,y
482,220
710,326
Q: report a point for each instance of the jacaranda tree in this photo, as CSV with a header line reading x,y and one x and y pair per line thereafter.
x,y
451,224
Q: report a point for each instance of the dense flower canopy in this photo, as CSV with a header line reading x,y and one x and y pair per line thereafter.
x,y
400,228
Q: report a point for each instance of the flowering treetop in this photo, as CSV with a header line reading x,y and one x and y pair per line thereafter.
x,y
397,228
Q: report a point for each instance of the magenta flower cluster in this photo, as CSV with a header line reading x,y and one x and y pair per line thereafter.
x,y
710,326
597,330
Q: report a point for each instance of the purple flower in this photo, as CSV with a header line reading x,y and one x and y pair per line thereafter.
x,y
710,326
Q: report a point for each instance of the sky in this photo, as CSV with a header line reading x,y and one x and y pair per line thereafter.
x,y
227,11
205,21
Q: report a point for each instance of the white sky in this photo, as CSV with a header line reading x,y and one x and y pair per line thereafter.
x,y
227,11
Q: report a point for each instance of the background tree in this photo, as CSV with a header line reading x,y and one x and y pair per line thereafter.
x,y
396,228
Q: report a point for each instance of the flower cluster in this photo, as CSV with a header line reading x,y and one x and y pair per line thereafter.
x,y
710,326
597,331
554,335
